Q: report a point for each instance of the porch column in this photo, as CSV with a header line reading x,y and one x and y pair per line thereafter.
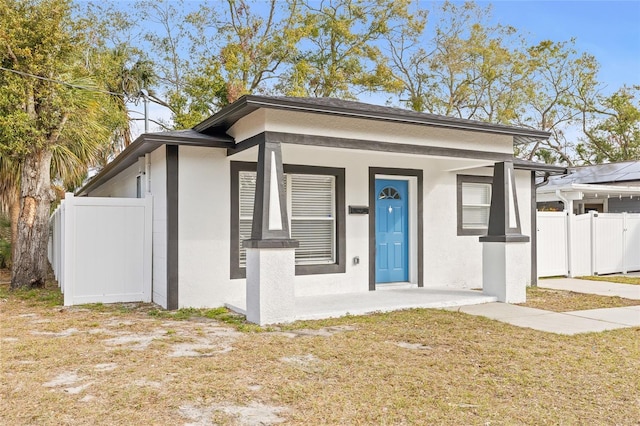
x,y
270,251
506,259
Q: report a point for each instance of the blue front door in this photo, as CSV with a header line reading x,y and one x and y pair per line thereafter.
x,y
392,240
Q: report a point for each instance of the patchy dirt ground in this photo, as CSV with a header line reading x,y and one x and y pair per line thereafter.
x,y
115,365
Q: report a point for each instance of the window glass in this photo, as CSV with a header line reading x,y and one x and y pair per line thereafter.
x,y
247,189
312,217
311,214
476,202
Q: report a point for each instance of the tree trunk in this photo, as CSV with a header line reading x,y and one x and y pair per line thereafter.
x,y
30,261
14,214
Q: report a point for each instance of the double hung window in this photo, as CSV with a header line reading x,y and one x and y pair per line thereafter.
x,y
313,195
474,202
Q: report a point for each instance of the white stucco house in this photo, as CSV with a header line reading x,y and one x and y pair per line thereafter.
x,y
276,197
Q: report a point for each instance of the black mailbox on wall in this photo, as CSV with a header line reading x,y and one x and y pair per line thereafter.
x,y
358,209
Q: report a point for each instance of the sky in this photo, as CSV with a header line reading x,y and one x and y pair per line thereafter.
x,y
609,30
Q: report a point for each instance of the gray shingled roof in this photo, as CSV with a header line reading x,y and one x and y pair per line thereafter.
x,y
225,118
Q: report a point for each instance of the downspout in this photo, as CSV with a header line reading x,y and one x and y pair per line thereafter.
x,y
569,212
147,173
545,180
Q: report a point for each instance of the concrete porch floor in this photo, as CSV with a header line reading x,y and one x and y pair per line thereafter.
x,y
381,300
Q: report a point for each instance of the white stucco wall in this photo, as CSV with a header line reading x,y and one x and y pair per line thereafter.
x,y
374,130
204,222
454,260
204,229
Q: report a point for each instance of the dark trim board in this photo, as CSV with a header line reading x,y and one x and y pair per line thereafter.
x,y
247,143
534,231
373,172
235,168
172,226
236,271
367,145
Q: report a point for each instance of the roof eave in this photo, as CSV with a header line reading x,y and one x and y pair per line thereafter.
x,y
145,144
592,188
550,169
227,116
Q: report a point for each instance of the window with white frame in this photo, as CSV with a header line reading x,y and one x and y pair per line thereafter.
x,y
474,203
313,209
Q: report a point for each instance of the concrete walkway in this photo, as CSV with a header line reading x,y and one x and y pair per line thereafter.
x,y
570,323
603,288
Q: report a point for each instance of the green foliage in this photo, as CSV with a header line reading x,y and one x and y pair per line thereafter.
x,y
471,69
56,114
344,57
613,135
37,296
5,253
449,59
219,314
75,120
5,241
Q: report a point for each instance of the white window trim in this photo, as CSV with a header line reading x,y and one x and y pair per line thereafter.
x,y
474,180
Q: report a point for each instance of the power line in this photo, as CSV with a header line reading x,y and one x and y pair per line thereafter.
x,y
64,83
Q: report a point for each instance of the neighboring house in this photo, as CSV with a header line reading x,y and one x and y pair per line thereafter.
x,y
371,195
605,188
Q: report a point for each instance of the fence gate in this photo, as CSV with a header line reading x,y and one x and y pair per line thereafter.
x,y
588,244
100,249
552,244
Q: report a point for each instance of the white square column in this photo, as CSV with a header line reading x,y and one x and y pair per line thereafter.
x,y
271,265
506,253
270,285
506,270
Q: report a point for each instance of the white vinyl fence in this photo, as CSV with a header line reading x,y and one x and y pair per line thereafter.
x,y
588,244
100,249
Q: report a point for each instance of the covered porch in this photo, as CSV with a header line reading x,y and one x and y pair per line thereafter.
x,y
387,298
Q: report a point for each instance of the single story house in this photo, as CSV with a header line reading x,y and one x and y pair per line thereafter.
x,y
604,188
360,195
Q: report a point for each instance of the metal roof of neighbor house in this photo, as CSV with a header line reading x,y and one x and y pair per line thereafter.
x,y
228,115
627,171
